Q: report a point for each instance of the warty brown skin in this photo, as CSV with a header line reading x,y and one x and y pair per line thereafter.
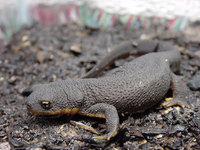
x,y
134,87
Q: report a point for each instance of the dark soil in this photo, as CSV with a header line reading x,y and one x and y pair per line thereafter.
x,y
41,54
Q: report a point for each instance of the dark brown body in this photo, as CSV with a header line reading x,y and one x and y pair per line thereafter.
x,y
134,87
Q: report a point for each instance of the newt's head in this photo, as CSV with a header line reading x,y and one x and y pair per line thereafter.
x,y
53,98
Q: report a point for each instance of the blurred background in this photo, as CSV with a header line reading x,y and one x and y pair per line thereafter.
x,y
173,14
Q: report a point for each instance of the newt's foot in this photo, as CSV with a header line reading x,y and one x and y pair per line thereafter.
x,y
106,136
99,139
169,102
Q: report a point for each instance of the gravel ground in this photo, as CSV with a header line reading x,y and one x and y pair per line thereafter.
x,y
41,54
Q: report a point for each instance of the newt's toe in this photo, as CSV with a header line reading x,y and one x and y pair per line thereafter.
x,y
90,139
175,102
106,137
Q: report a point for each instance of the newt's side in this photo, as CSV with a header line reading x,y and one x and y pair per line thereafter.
x,y
134,87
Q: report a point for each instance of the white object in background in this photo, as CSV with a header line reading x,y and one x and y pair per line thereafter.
x,y
169,9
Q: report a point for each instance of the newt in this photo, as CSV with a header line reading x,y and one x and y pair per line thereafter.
x,y
131,88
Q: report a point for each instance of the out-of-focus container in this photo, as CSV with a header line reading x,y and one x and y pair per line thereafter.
x,y
173,14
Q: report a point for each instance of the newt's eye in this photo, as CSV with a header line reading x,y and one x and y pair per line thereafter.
x,y
46,104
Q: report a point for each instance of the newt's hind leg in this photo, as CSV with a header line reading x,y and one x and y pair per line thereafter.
x,y
180,93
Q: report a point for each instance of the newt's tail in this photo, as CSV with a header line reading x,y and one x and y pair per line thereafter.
x,y
127,48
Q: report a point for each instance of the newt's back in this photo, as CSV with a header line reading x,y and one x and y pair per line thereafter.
x,y
137,85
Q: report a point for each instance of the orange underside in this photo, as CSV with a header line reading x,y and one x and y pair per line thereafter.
x,y
70,111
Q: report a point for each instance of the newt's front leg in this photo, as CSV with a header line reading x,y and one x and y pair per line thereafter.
x,y
180,93
109,112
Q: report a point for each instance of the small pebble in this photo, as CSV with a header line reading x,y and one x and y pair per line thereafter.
x,y
5,146
76,49
12,80
43,56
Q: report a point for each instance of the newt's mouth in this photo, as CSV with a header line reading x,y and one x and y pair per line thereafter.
x,y
71,111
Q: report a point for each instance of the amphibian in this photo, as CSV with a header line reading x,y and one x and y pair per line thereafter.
x,y
133,87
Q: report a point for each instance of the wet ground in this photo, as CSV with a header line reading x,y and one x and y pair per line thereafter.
x,y
41,54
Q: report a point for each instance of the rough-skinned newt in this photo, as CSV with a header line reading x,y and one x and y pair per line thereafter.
x,y
133,87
